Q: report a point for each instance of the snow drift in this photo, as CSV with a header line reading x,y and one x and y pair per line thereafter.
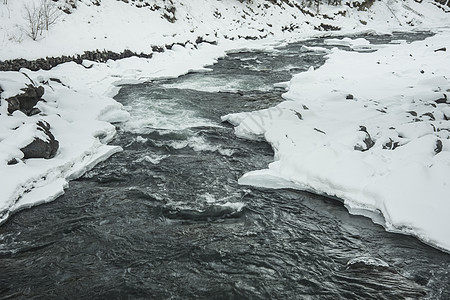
x,y
371,129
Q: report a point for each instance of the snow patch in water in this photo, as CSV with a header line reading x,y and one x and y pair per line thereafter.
x,y
358,262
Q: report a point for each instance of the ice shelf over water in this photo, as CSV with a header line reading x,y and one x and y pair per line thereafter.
x,y
371,129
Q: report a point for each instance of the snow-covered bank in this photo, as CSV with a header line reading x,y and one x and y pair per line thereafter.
x,y
78,103
139,25
80,110
372,129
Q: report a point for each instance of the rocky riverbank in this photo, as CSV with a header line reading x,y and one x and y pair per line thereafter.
x,y
96,56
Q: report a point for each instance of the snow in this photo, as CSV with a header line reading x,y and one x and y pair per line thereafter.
x,y
317,135
314,134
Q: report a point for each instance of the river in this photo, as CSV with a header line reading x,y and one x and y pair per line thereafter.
x,y
166,219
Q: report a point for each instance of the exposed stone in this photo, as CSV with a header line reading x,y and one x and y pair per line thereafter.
x,y
39,148
327,27
391,145
318,130
367,141
157,49
429,115
50,62
438,147
26,101
13,161
299,115
441,49
442,100
349,97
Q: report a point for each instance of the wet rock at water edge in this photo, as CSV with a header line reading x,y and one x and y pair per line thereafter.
x,y
26,101
40,148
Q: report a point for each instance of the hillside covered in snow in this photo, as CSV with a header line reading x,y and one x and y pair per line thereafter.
x,y
56,114
143,26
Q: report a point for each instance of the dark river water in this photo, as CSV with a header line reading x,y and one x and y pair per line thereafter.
x,y
166,219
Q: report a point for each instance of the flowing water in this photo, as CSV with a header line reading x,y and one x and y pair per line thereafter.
x,y
166,219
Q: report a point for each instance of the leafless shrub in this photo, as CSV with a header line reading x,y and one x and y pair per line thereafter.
x,y
34,17
51,13
40,16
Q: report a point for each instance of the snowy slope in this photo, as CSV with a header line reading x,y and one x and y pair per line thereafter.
x,y
116,25
80,109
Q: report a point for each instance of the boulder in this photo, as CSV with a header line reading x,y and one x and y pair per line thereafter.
x,y
26,101
40,148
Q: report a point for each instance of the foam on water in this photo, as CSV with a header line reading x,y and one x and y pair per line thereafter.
x,y
198,144
150,114
154,159
214,84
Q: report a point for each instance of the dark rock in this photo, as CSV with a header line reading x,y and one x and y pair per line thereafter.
x,y
413,113
50,62
56,80
391,145
299,115
318,130
438,147
290,28
367,141
326,27
429,115
441,49
157,49
442,100
26,101
199,40
40,148
13,161
349,97
34,111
